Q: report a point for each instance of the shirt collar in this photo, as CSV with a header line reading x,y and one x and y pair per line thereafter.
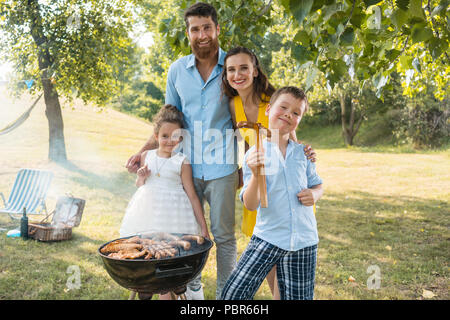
x,y
222,55
289,149
220,62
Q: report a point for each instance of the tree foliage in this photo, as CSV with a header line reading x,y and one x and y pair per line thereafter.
x,y
88,44
71,47
371,38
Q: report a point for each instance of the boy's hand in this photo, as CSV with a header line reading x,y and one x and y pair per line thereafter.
x,y
143,172
306,197
255,160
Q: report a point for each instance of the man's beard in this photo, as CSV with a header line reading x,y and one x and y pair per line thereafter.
x,y
205,52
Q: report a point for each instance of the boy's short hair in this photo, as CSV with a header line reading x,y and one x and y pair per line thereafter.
x,y
200,9
296,92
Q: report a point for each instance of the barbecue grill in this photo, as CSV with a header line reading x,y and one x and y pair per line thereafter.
x,y
158,276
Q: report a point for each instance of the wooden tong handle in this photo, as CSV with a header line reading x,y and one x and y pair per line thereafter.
x,y
261,176
254,125
260,172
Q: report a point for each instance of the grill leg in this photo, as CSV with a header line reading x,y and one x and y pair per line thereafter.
x,y
145,296
174,296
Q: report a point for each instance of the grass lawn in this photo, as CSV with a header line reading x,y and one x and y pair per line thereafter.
x,y
384,211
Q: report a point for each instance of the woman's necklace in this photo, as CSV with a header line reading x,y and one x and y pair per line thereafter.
x,y
158,170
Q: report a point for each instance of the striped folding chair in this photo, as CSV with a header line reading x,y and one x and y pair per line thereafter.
x,y
29,191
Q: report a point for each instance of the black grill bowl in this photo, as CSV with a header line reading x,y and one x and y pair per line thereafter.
x,y
158,276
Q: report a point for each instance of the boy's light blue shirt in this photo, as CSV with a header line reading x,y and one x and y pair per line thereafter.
x,y
212,149
285,223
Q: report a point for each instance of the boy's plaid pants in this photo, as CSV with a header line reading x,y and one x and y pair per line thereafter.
x,y
295,271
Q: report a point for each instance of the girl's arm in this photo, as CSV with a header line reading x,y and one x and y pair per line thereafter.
x,y
188,185
143,172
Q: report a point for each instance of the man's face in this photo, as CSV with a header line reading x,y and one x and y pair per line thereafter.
x,y
202,34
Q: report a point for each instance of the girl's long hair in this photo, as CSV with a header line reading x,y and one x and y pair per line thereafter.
x,y
260,84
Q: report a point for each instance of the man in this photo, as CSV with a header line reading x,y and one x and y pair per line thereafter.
x,y
193,86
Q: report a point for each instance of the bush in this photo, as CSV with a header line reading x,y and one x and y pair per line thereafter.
x,y
142,98
378,129
323,113
424,127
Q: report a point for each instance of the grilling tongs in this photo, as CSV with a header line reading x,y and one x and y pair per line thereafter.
x,y
261,177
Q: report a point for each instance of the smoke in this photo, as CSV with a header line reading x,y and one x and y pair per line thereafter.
x,y
58,229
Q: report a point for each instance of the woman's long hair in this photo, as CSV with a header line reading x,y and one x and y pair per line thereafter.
x,y
260,83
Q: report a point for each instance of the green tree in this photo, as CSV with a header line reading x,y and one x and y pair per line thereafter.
x,y
74,47
377,34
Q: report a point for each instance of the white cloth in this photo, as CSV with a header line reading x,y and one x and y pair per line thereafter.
x,y
161,204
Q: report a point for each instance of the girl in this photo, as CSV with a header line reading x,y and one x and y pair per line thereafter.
x,y
249,91
285,234
166,200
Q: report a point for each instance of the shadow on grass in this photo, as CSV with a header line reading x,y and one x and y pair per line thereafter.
x,y
357,214
406,237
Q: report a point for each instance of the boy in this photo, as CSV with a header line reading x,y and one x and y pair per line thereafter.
x,y
285,234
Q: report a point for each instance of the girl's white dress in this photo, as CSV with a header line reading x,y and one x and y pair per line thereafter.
x,y
161,204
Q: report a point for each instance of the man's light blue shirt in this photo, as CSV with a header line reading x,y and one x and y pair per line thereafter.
x,y
285,223
212,148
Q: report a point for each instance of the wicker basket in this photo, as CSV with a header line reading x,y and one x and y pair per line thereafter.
x,y
66,215
47,232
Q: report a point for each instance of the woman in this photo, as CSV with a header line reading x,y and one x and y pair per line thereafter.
x,y
249,91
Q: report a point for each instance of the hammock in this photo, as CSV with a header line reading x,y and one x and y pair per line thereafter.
x,y
20,120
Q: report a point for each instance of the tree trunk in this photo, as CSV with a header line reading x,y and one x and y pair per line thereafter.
x,y
348,139
349,131
57,145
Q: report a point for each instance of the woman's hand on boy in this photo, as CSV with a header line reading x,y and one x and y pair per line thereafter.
x,y
310,153
306,197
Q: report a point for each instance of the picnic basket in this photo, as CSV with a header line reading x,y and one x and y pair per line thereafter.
x,y
66,215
